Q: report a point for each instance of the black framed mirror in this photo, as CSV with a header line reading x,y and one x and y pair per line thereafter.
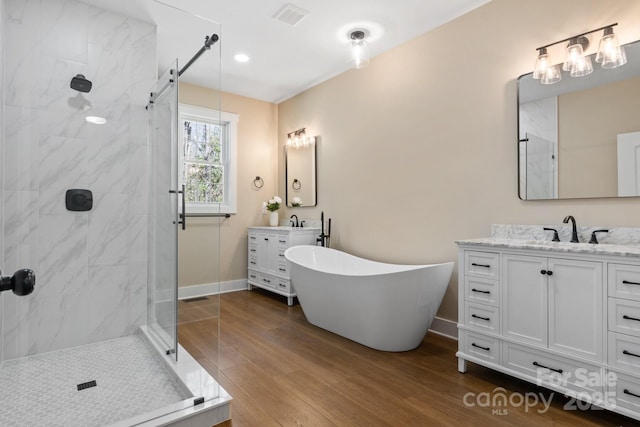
x,y
580,137
301,176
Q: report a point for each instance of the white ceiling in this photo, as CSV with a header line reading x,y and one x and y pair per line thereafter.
x,y
285,60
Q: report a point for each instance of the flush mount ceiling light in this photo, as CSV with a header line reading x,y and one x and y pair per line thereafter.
x,y
299,139
359,47
610,55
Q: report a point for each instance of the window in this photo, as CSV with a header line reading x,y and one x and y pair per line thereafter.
x,y
208,159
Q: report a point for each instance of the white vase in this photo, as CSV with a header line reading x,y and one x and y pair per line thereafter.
x,y
273,219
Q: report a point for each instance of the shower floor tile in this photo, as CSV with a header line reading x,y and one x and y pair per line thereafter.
x,y
43,389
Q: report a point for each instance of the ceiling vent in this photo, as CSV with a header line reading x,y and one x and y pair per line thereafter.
x,y
290,14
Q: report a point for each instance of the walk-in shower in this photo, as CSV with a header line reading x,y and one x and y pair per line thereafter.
x,y
86,344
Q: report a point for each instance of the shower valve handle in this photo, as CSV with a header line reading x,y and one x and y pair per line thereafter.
x,y
21,283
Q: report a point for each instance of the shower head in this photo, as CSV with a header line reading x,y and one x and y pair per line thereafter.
x,y
81,84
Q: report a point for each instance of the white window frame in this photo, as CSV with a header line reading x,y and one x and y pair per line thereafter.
x,y
229,158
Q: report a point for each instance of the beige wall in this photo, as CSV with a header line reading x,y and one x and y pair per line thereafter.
x,y
589,122
419,148
257,156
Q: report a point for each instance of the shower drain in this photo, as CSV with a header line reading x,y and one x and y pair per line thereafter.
x,y
88,384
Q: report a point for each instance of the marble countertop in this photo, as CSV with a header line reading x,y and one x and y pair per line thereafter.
x,y
584,248
284,228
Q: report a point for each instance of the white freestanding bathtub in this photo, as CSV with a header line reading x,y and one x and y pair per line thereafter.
x,y
383,306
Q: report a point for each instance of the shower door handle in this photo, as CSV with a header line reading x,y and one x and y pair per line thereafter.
x,y
182,215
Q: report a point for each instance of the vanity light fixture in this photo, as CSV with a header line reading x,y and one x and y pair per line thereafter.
x,y
299,139
610,55
359,49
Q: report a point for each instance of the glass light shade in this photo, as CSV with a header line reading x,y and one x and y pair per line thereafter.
x,y
542,64
617,60
582,67
574,53
610,53
551,76
359,53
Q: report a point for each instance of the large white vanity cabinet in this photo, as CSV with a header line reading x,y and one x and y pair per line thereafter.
x,y
268,268
566,316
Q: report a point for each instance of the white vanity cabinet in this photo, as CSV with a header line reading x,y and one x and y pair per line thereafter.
x,y
554,303
560,316
267,266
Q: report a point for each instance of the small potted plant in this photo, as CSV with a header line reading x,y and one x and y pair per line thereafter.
x,y
296,202
272,206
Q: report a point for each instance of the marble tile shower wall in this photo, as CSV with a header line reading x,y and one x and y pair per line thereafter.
x,y
90,266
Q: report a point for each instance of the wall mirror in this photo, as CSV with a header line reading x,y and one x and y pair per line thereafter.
x,y
300,176
580,137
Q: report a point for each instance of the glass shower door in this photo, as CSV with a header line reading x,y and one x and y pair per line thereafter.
x,y
164,219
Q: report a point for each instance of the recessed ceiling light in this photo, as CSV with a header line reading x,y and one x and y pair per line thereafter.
x,y
241,57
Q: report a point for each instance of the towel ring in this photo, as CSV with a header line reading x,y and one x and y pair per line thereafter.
x,y
258,182
296,184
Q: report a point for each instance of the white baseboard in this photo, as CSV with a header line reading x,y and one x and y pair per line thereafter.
x,y
444,327
205,289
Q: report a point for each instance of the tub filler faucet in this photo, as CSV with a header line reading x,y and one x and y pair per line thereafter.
x,y
324,239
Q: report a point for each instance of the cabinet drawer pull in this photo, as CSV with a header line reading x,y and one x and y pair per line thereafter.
x,y
480,317
282,269
282,241
481,265
281,285
625,391
627,282
281,255
252,237
628,353
253,276
630,318
546,367
480,347
266,239
252,250
266,280
479,291
252,263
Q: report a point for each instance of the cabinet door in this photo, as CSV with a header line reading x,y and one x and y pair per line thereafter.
x,y
263,251
525,298
575,307
272,250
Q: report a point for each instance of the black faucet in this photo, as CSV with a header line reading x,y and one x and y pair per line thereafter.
x,y
555,234
323,238
594,239
574,232
294,224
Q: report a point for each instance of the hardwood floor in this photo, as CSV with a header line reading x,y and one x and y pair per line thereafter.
x,y
283,371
